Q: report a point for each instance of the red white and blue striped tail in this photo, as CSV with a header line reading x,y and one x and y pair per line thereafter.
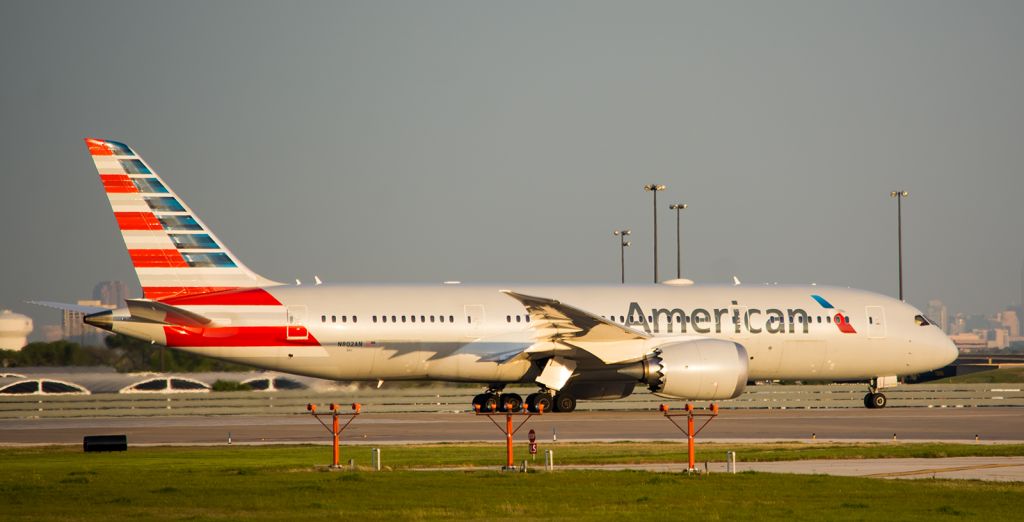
x,y
174,253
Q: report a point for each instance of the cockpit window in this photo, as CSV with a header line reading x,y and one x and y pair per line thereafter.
x,y
922,320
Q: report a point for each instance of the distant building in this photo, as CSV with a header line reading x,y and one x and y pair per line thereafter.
x,y
1008,320
74,329
939,313
111,293
970,342
14,330
998,338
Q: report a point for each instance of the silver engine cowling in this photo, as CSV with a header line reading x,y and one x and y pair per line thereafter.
x,y
703,369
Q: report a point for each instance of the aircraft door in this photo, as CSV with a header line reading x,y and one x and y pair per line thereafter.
x,y
475,317
876,322
295,329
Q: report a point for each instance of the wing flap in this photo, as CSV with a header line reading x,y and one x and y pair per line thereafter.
x,y
559,327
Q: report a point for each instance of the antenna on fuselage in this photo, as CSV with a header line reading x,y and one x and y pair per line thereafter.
x,y
317,280
735,281
298,283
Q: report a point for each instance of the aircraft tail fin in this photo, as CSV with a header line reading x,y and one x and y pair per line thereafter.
x,y
174,253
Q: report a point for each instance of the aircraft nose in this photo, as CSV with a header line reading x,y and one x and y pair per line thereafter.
x,y
950,351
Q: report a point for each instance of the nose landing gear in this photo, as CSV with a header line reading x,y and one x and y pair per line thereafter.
x,y
874,399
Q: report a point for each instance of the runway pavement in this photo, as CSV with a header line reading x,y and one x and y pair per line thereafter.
x,y
946,424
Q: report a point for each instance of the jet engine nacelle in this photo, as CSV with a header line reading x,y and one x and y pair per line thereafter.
x,y
703,369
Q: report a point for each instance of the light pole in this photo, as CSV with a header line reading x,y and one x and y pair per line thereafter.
x,y
654,188
622,251
899,195
679,258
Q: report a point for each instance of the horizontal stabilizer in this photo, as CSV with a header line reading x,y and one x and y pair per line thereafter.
x,y
164,313
82,309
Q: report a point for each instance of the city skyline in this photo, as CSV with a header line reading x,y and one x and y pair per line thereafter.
x,y
415,142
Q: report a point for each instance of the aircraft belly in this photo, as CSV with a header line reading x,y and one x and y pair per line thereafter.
x,y
803,359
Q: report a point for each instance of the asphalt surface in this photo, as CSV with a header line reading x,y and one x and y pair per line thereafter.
x,y
937,424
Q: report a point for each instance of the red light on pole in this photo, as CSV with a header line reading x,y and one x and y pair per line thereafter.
x,y
335,428
510,430
691,433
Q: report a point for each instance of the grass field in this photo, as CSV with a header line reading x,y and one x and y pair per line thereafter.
x,y
1004,375
285,483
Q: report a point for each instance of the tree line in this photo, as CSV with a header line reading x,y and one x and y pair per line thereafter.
x,y
120,352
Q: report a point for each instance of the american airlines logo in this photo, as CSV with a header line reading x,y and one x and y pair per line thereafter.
x,y
735,319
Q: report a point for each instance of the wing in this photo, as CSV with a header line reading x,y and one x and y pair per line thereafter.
x,y
557,324
555,321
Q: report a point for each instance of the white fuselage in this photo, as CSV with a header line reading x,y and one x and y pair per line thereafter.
x,y
396,332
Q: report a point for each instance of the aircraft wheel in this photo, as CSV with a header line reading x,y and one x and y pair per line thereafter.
x,y
489,403
511,402
479,401
878,400
531,402
867,400
542,399
565,403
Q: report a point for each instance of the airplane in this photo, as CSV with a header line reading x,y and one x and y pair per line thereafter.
x,y
679,339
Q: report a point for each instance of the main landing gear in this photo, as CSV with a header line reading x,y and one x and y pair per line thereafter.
x,y
874,399
494,400
534,401
565,403
560,403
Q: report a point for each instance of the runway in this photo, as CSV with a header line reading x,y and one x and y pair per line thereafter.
x,y
936,424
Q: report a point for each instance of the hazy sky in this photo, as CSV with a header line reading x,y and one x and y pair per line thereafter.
x,y
424,141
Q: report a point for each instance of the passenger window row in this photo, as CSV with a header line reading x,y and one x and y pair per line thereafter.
x,y
517,318
344,318
686,319
397,318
